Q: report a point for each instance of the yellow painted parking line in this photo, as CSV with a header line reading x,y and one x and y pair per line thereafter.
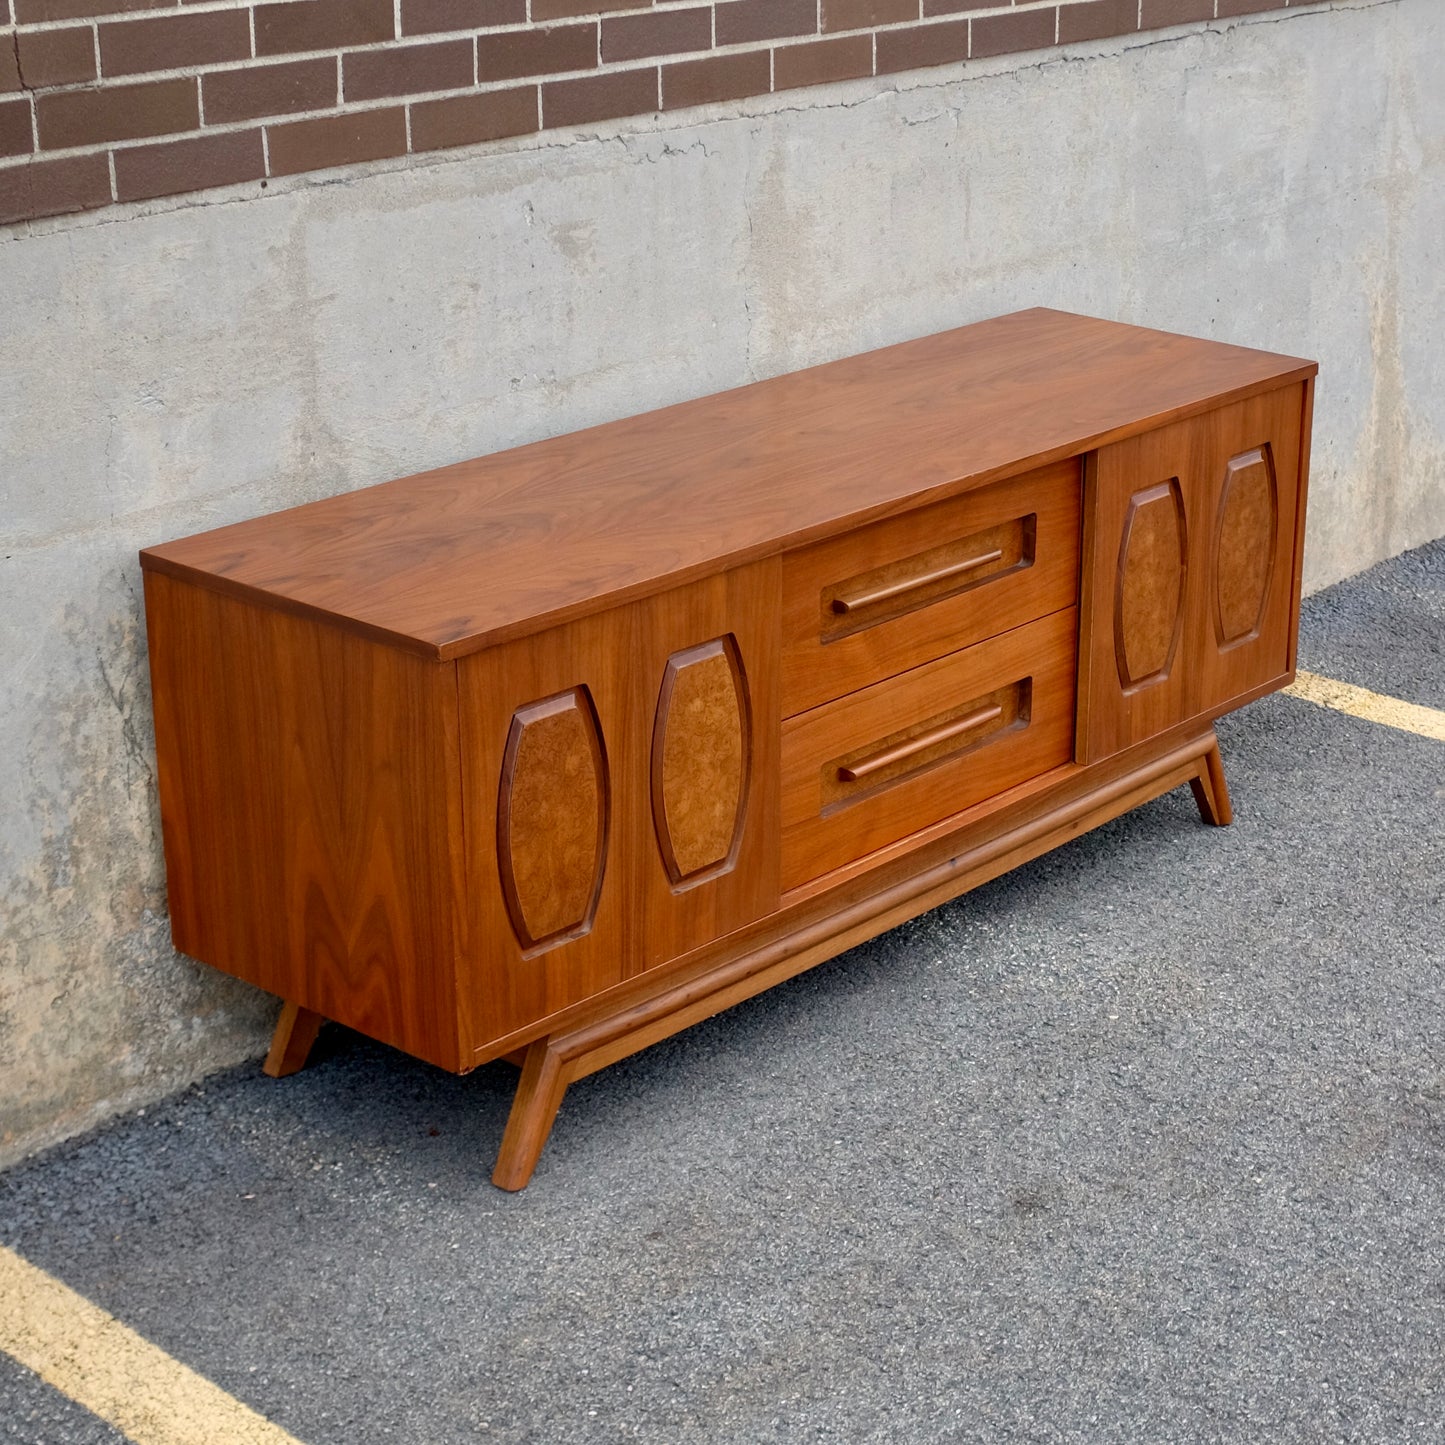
x,y
104,1365
1374,707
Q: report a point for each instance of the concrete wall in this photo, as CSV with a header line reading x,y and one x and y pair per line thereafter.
x,y
1278,181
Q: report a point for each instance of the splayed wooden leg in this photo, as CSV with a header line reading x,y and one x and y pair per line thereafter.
x,y
545,1076
1211,792
296,1031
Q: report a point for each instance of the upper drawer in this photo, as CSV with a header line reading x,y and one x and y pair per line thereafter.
x,y
864,606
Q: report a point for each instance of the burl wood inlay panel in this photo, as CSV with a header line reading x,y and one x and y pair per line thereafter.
x,y
1149,599
700,753
552,819
1244,545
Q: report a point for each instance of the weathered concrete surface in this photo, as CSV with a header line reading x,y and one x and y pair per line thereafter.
x,y
1278,181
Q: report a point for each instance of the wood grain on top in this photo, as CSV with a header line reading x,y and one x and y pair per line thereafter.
x,y
452,560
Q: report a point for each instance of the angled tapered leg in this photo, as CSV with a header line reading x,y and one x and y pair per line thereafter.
x,y
545,1076
296,1031
1211,792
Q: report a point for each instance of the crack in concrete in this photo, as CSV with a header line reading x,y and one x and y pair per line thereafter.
x,y
639,156
136,751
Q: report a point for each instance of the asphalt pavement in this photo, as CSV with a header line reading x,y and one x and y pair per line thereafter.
x,y
1142,1142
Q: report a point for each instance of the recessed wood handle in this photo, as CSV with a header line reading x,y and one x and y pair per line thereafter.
x,y
908,584
865,766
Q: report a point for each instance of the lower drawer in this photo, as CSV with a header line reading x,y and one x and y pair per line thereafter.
x,y
884,762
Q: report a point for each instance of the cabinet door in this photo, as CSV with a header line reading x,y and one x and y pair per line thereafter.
x,y
1190,582
707,690
619,795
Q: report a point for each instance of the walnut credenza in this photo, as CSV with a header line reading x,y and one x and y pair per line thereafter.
x,y
551,754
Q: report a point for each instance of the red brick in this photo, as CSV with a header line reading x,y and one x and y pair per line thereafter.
x,y
173,42
514,54
469,119
9,71
860,14
1228,8
407,70
920,45
425,17
565,9
952,7
665,32
1097,19
16,137
720,77
53,188
745,20
599,97
1159,13
261,90
117,112
336,140
845,57
56,57
178,166
27,12
1005,34
322,24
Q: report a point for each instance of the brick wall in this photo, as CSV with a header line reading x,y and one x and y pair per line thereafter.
x,y
105,101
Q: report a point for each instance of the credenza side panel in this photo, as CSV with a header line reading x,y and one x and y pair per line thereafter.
x,y
310,811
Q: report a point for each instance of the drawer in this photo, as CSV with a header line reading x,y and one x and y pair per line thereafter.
x,y
900,592
875,766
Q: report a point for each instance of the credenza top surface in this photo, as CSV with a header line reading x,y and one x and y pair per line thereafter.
x,y
448,561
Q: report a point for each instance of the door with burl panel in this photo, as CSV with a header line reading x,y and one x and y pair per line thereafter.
x,y
619,796
1188,588
1255,468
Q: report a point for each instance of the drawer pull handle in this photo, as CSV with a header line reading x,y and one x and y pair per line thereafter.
x,y
865,766
908,584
